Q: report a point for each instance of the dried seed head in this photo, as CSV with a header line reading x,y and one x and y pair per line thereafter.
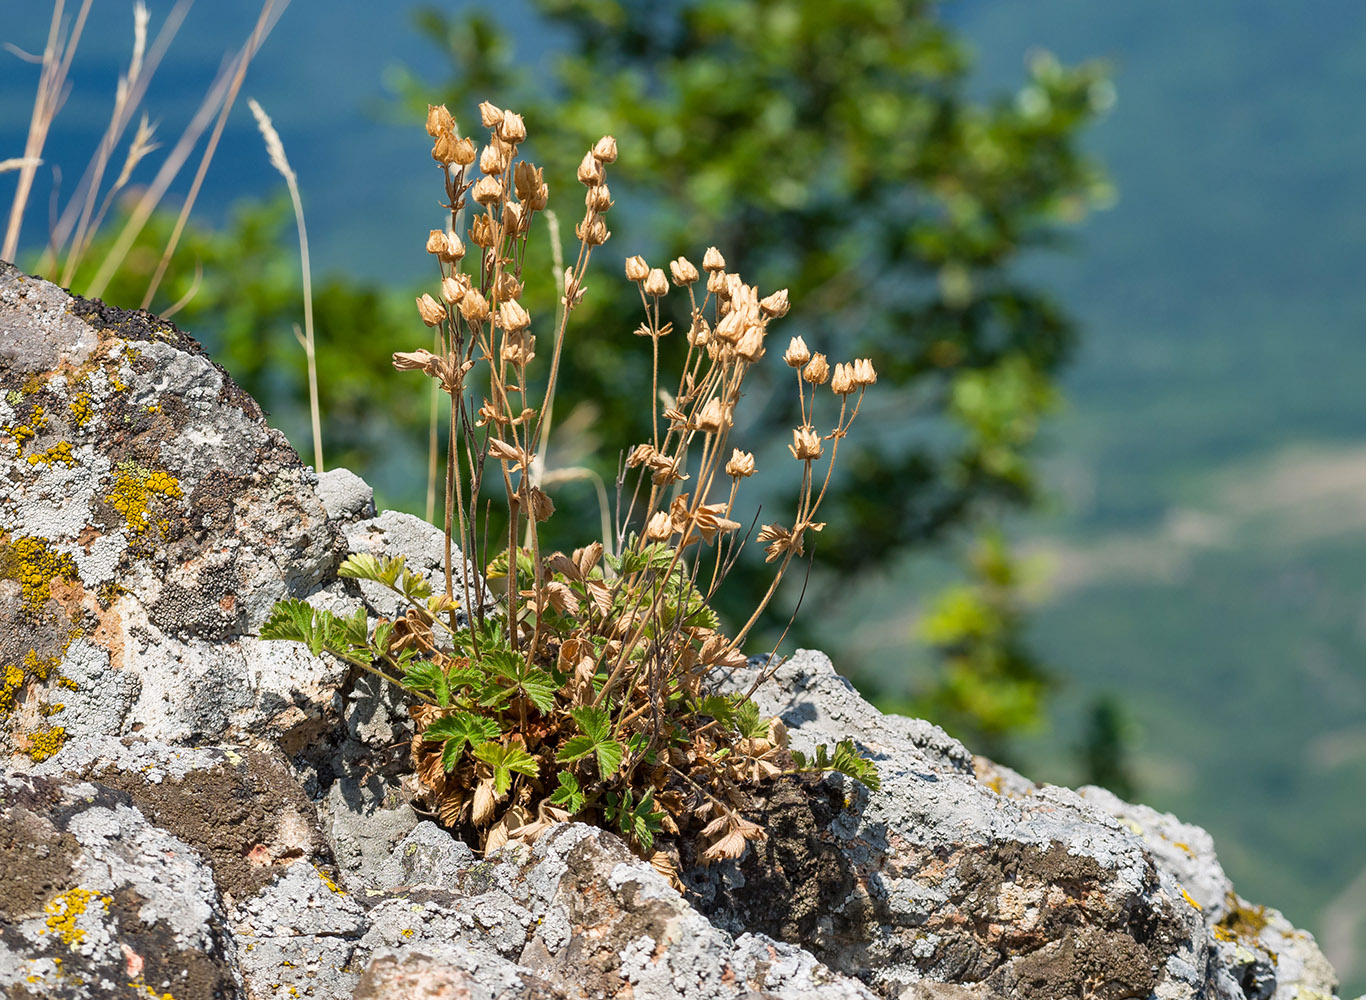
x,y
431,311
540,506
492,161
750,346
594,232
452,248
463,154
490,114
775,305
436,241
599,198
699,334
656,284
864,375
591,173
714,417
683,271
730,328
817,370
474,307
573,288
512,316
447,149
741,464
451,291
806,444
605,150
487,190
439,120
713,261
536,201
842,382
797,353
519,347
506,287
512,129
407,361
716,282
641,454
515,219
636,268
481,231
660,527
526,179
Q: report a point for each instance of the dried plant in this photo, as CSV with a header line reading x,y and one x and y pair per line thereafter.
x,y
582,685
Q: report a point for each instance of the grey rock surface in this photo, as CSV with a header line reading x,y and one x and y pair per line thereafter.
x,y
193,811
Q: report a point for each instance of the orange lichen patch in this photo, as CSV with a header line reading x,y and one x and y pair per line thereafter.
x,y
82,408
43,743
59,452
37,420
135,489
63,910
32,562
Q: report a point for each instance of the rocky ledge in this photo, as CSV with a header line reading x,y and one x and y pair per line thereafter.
x,y
188,812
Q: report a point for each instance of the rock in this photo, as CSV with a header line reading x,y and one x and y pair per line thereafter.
x,y
987,880
192,811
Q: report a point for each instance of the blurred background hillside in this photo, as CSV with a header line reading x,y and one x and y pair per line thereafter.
x,y
1177,564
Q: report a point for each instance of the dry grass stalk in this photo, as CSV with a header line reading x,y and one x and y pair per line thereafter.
x,y
276,150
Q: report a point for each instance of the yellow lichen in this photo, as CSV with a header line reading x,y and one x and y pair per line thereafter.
x,y
59,452
134,489
154,408
1191,899
82,408
32,562
62,911
68,683
37,420
329,883
43,743
11,680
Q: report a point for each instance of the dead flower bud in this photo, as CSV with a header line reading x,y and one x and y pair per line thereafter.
x,y
490,114
594,233
775,305
598,199
656,284
683,271
519,348
699,334
474,307
806,444
842,382
741,464
605,150
512,129
492,161
537,200
487,190
660,527
432,311
439,120
713,261
817,371
436,241
714,417
797,353
641,454
591,173
451,291
573,290
481,231
864,375
512,316
526,179
716,283
452,249
514,218
408,361
448,149
666,470
507,287
636,268
750,346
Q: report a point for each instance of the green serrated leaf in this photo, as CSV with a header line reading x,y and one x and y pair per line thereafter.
x,y
569,796
719,707
362,567
747,722
576,748
459,730
504,761
609,754
291,620
594,722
